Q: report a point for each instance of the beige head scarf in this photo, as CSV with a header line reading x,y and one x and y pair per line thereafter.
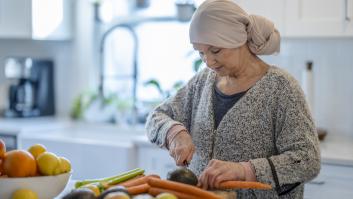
x,y
222,23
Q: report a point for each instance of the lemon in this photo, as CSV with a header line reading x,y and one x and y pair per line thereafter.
x,y
36,150
48,163
65,165
24,194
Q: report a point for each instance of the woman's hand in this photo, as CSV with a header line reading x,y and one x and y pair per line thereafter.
x,y
218,171
181,148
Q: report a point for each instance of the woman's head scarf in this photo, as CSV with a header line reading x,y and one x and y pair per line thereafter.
x,y
222,23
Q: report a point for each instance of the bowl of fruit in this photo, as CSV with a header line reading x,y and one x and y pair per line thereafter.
x,y
34,173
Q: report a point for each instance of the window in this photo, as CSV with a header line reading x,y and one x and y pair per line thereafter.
x,y
163,54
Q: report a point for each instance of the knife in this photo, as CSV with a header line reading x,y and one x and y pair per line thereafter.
x,y
186,163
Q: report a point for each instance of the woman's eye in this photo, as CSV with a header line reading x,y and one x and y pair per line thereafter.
x,y
215,51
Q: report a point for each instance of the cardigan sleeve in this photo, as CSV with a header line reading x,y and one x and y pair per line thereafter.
x,y
176,110
296,142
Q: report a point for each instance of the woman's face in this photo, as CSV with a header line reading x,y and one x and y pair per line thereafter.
x,y
224,61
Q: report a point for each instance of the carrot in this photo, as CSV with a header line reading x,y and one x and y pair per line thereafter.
x,y
243,185
138,189
154,191
138,181
180,187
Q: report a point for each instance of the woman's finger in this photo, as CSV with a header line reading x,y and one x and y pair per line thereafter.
x,y
218,180
213,176
189,157
202,182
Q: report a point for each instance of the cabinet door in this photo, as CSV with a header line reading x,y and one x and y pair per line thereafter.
x,y
271,9
155,160
349,17
88,159
334,181
317,17
36,19
15,19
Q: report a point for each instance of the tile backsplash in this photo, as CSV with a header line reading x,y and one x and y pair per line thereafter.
x,y
333,78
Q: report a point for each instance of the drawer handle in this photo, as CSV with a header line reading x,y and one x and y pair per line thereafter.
x,y
346,17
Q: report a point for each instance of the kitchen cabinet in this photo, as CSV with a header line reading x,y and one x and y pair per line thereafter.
x,y
271,9
36,19
305,18
155,160
318,18
334,181
88,159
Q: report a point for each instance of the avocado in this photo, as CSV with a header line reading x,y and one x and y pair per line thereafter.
x,y
81,193
183,175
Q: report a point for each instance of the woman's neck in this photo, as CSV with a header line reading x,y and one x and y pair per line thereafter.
x,y
252,71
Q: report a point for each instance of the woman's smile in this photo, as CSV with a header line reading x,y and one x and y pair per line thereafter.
x,y
218,68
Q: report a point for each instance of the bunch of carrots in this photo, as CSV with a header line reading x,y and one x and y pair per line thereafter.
x,y
137,183
153,185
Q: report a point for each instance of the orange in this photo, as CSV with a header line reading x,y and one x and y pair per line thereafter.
x,y
19,163
1,169
2,149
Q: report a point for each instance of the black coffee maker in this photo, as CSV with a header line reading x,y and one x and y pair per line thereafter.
x,y
31,91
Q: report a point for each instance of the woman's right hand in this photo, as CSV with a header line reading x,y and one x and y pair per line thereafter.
x,y
181,148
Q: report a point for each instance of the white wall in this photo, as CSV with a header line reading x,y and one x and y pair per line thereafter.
x,y
333,78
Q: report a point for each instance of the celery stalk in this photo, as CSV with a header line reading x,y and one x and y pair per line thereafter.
x,y
112,178
125,177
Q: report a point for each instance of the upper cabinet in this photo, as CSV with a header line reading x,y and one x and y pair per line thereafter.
x,y
319,18
36,19
271,9
305,18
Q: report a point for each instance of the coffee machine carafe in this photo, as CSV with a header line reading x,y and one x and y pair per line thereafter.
x,y
31,92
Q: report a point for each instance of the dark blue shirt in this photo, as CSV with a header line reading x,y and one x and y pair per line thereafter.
x,y
223,102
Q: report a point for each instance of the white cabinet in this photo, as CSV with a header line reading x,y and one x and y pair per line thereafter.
x,y
89,159
305,18
155,160
334,181
319,18
36,19
271,9
15,18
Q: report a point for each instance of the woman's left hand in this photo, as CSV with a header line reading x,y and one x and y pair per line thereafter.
x,y
218,171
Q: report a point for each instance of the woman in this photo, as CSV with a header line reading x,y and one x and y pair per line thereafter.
x,y
239,118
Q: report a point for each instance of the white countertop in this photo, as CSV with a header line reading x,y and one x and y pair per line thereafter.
x,y
102,134
17,125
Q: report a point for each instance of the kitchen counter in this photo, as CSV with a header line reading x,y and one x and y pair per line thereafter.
x,y
14,126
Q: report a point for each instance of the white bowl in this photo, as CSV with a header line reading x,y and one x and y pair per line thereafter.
x,y
47,187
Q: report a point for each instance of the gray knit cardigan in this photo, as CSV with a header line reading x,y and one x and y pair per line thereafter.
x,y
270,126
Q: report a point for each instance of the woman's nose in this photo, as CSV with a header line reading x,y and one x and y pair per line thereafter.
x,y
209,60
